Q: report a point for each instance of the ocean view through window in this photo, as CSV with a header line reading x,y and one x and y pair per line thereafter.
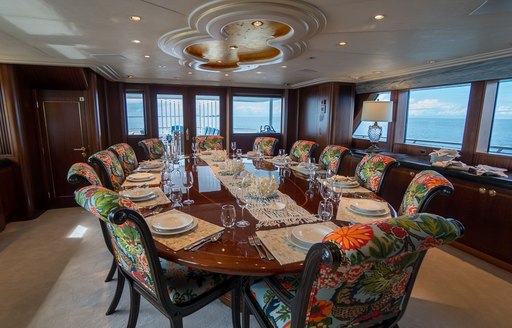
x,y
135,120
500,141
437,116
253,114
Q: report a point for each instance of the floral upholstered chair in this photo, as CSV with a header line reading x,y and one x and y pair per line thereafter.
x,y
209,142
83,174
110,167
126,156
372,169
422,189
266,144
175,290
153,148
302,149
360,276
331,157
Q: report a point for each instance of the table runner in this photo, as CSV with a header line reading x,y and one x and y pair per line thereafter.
x,y
266,216
161,199
344,214
277,242
177,242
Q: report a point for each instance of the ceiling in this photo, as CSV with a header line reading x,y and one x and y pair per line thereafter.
x,y
414,36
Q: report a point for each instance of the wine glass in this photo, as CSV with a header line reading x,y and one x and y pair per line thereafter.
x,y
239,153
228,216
176,197
233,147
326,191
193,149
188,181
242,201
325,210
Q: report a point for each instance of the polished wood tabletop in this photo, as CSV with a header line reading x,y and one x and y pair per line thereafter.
x,y
232,254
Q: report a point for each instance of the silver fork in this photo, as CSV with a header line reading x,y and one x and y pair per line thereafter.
x,y
258,242
253,244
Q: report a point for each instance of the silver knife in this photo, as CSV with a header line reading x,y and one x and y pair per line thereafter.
x,y
200,241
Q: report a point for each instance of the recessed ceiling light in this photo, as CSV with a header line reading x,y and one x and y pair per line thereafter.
x,y
135,18
226,74
257,23
377,72
284,66
233,47
162,66
147,56
379,17
431,61
343,43
135,41
189,73
130,76
258,72
219,61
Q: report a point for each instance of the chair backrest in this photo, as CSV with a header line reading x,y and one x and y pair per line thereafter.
x,y
126,156
153,148
422,189
302,149
362,275
111,168
266,144
209,142
332,156
372,169
83,173
133,244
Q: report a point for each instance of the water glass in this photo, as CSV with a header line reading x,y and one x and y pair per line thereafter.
x,y
242,200
325,210
176,197
188,182
282,152
326,191
228,216
239,153
233,147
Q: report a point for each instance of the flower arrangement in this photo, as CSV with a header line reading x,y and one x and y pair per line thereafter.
x,y
232,167
219,155
264,187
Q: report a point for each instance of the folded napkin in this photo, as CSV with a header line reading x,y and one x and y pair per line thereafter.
x,y
489,170
443,154
452,165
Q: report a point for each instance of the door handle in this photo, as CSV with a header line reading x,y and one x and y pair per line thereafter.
x,y
79,149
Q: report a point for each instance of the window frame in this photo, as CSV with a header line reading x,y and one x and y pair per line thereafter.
x,y
144,111
232,113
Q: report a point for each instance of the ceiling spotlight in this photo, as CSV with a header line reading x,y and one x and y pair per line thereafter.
x,y
135,18
258,72
257,23
226,74
284,66
343,43
162,66
135,41
219,61
189,73
431,61
233,47
378,17
147,56
377,72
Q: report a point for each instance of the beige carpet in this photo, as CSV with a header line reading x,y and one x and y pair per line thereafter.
x,y
48,279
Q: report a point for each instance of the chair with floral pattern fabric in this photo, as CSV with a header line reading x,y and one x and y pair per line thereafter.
x,y
422,189
83,174
372,169
110,167
266,144
175,290
332,156
153,148
302,149
213,142
360,276
126,156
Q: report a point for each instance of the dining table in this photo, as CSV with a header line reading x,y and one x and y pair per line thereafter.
x,y
233,253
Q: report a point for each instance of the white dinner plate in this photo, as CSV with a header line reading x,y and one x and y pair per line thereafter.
x,y
140,177
346,185
369,206
144,199
366,213
138,193
292,243
185,228
307,235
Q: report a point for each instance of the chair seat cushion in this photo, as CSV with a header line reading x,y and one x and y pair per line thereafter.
x,y
185,284
276,311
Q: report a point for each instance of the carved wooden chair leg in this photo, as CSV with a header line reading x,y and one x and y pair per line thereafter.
x,y
134,307
117,295
235,303
113,268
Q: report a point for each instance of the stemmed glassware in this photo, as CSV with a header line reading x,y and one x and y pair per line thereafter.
x,y
326,191
325,210
233,147
282,152
188,181
242,200
239,153
176,196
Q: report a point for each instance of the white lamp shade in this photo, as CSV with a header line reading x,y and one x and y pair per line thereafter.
x,y
377,111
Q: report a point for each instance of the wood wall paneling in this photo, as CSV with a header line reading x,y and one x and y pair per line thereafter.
x,y
343,114
54,77
291,118
472,126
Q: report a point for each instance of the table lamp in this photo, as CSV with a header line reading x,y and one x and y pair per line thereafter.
x,y
377,111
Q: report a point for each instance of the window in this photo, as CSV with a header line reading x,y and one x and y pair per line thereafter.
x,y
207,115
170,113
135,119
502,121
362,130
253,114
436,116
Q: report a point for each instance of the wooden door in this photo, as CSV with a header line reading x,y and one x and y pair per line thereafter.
x,y
63,140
